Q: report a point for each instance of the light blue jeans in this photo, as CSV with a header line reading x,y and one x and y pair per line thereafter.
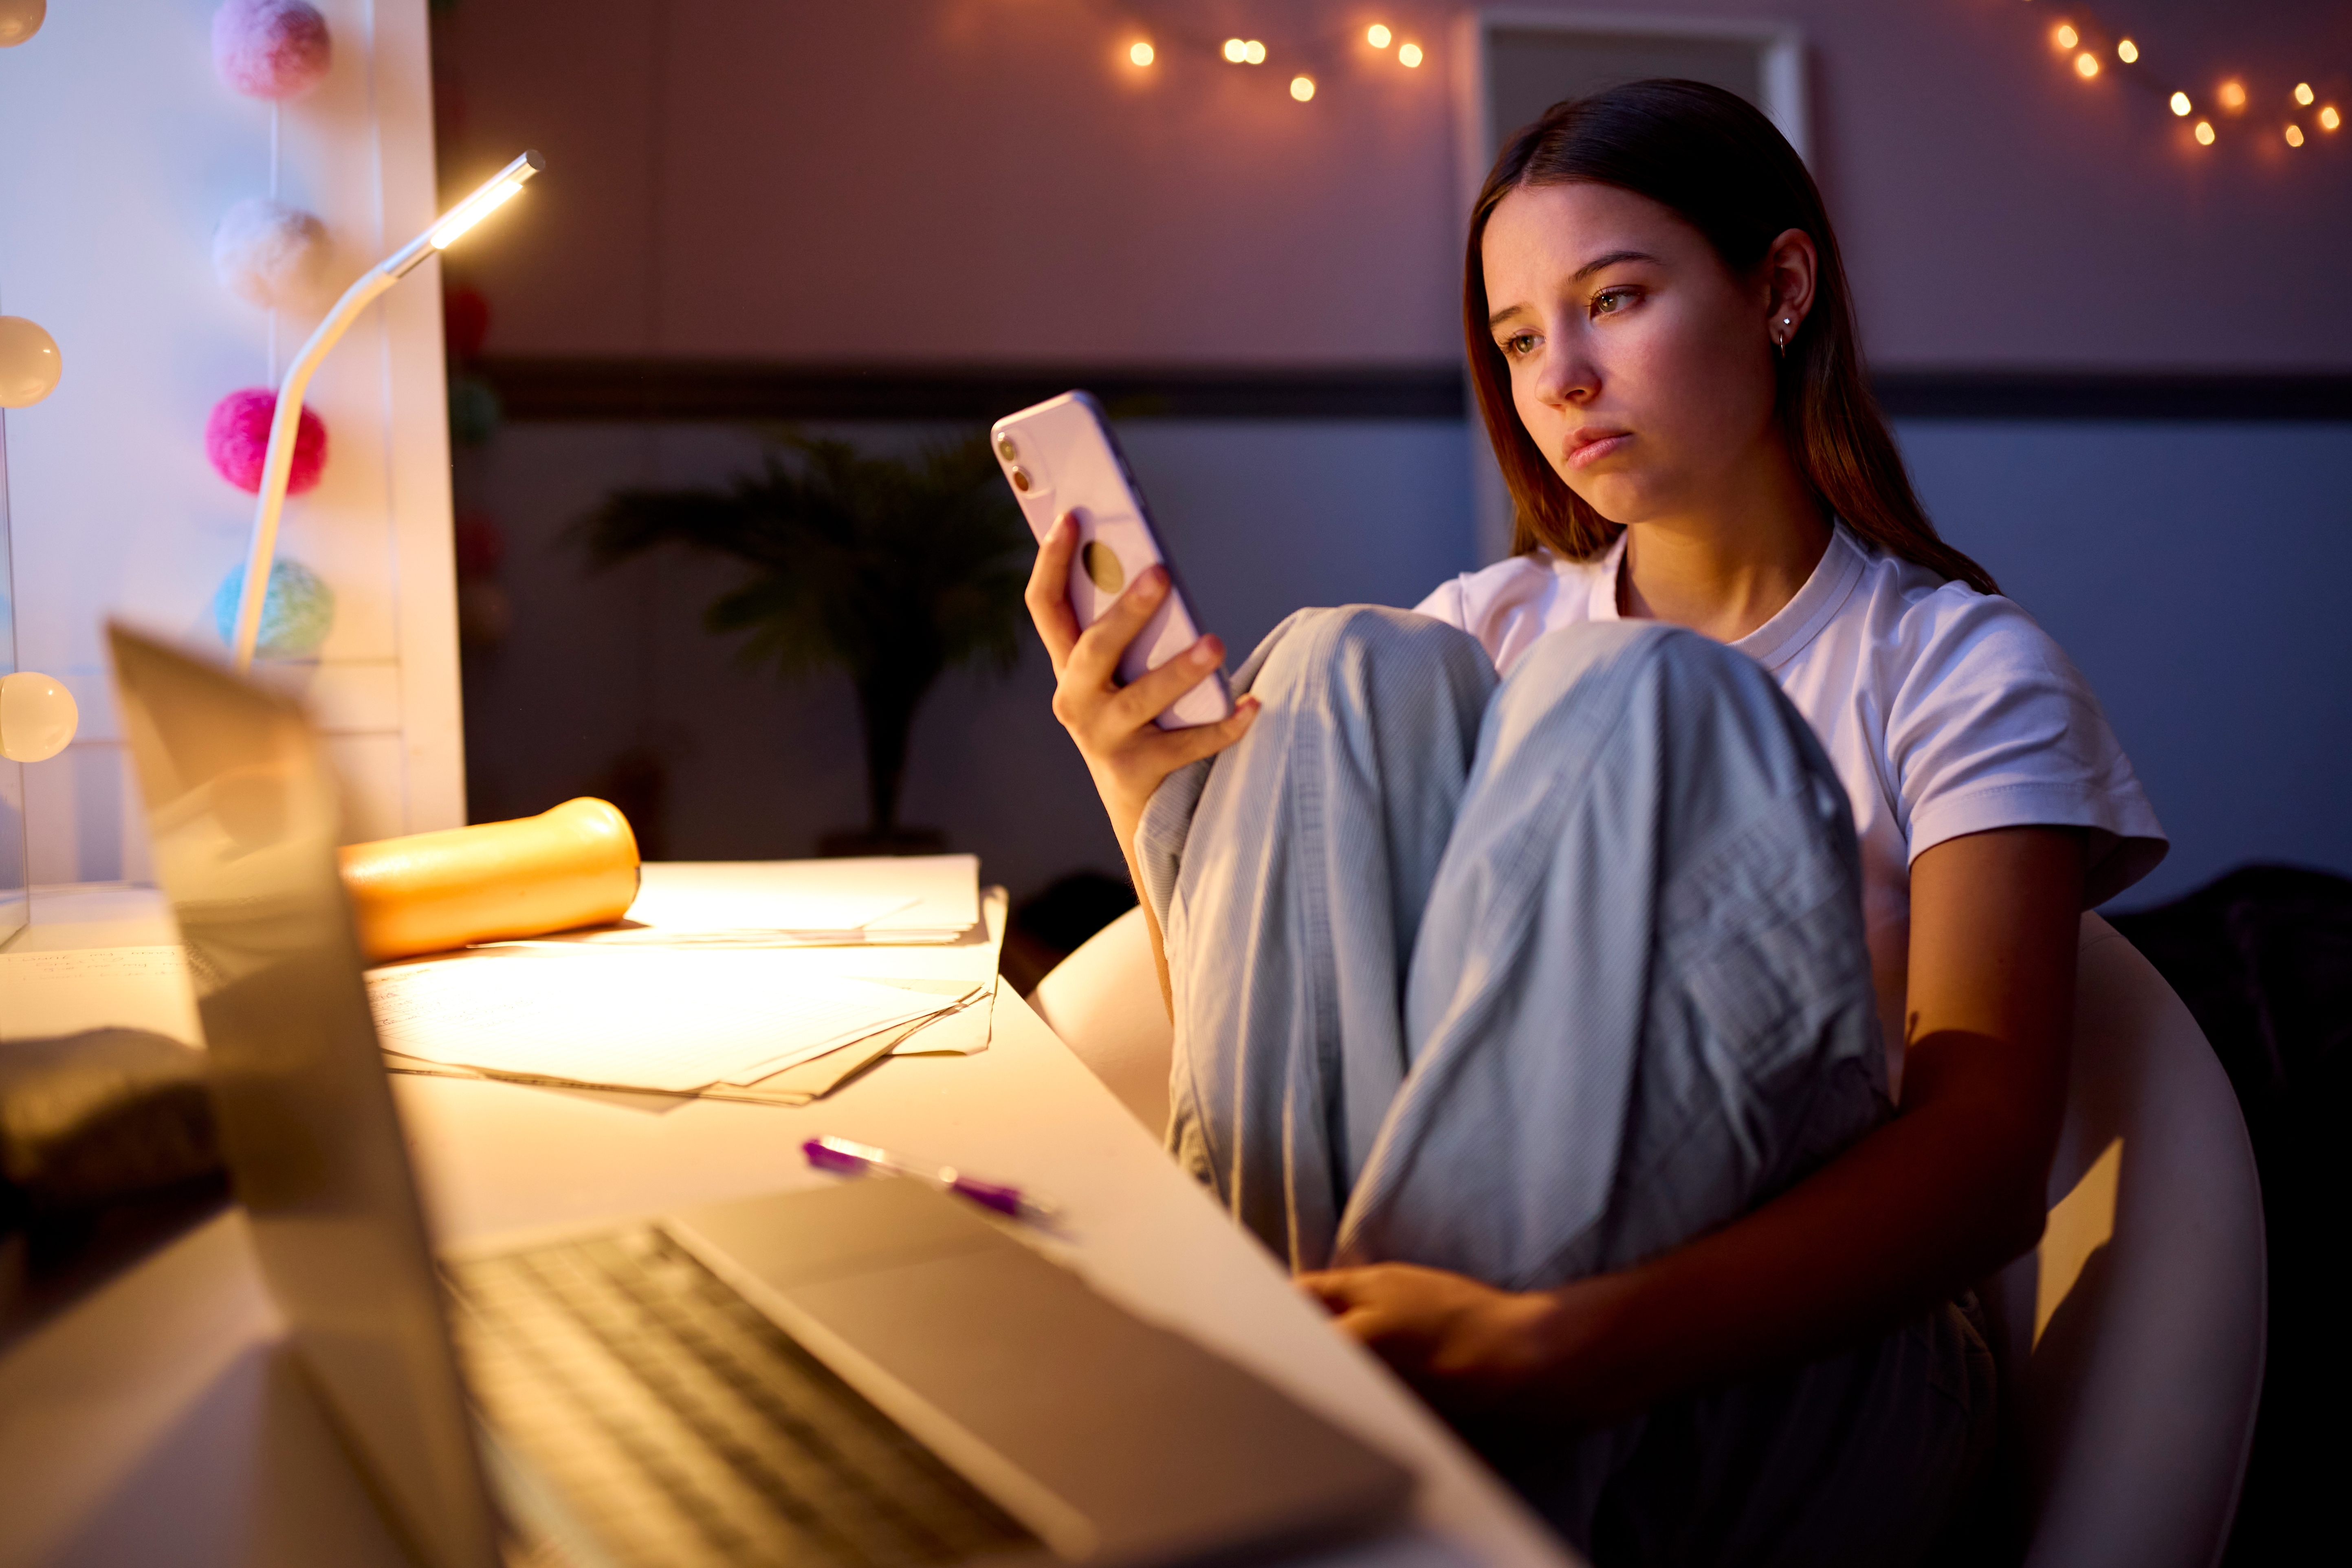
x,y
1531,979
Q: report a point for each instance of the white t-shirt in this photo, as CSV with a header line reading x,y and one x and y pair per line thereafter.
x,y
1945,711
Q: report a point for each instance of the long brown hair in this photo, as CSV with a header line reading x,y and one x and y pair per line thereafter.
x,y
1714,160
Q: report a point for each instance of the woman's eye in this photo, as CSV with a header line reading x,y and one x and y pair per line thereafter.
x,y
1609,301
1519,345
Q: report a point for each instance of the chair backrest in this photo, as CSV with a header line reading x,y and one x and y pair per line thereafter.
x,y
2131,1340
1104,1002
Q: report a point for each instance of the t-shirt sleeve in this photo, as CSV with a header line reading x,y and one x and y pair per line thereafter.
x,y
1444,604
1992,726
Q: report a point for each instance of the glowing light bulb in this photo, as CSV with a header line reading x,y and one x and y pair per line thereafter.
x,y
1302,88
2303,93
2328,118
1236,51
2126,51
1377,36
2087,65
474,210
1140,53
1254,52
38,717
2180,104
2233,95
2205,133
1408,55
2064,37
2294,135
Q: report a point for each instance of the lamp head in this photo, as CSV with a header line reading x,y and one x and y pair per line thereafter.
x,y
489,198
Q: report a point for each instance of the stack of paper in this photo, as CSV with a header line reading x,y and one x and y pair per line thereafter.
x,y
766,1021
658,1020
897,900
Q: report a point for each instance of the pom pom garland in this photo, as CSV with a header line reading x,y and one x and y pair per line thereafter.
x,y
271,48
236,439
297,613
268,253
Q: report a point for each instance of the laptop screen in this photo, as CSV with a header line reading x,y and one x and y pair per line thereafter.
x,y
242,811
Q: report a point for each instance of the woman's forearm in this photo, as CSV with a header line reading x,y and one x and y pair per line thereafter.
x,y
1126,819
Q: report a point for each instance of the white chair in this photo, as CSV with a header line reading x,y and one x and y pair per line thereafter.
x,y
1104,1000
2131,1339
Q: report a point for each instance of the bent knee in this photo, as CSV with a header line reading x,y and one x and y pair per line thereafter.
x,y
1363,649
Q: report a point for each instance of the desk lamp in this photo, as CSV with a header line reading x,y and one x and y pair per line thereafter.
x,y
283,423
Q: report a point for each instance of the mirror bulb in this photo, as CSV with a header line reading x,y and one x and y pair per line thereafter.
x,y
38,717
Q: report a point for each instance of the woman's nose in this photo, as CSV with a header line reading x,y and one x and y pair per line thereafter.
x,y
1568,374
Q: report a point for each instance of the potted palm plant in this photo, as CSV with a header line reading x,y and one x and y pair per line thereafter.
x,y
893,569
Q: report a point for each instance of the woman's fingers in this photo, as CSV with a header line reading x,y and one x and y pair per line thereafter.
x,y
1093,659
1048,594
1155,692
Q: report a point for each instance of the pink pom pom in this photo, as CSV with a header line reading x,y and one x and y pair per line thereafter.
x,y
270,49
236,439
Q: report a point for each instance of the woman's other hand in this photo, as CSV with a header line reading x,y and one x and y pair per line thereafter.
x,y
1472,1351
1126,753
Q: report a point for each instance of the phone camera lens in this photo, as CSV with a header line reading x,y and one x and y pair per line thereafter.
x,y
1021,480
1006,449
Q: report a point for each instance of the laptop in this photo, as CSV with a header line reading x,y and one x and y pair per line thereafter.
x,y
868,1376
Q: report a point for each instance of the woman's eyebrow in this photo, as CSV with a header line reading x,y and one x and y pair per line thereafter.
x,y
1610,259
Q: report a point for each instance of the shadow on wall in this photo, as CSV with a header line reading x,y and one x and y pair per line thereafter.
x,y
606,683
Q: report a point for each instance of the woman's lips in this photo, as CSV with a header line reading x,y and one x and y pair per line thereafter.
x,y
1588,446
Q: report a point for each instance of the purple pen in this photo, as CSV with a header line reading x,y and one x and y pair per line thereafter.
x,y
864,1159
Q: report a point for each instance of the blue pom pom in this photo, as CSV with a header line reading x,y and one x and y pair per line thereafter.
x,y
296,614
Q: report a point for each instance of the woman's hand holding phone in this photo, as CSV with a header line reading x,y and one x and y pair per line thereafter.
x,y
1125,751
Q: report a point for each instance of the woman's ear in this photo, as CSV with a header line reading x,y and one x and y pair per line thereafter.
x,y
1791,265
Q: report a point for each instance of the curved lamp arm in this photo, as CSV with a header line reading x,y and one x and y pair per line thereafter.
x,y
285,422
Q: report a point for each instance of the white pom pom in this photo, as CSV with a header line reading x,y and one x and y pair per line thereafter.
x,y
267,252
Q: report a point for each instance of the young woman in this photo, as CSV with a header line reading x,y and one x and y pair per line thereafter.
x,y
1634,991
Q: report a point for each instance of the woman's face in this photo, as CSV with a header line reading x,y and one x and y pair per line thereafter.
x,y
1641,365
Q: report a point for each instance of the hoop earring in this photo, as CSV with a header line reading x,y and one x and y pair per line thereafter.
x,y
1780,338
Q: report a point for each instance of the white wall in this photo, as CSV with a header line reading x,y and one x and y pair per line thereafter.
x,y
123,149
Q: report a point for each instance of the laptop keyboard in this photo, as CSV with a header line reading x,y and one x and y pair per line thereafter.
x,y
682,1427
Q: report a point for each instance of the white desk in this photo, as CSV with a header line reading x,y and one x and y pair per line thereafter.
x,y
160,1420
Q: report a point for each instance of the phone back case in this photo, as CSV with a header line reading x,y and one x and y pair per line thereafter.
x,y
1059,457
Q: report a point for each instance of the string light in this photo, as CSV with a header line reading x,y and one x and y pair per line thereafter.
x,y
2086,45
1307,60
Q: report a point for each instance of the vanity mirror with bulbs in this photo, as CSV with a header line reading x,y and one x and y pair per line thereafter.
x,y
236,177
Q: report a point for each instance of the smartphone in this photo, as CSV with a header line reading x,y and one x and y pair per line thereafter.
x,y
1060,457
